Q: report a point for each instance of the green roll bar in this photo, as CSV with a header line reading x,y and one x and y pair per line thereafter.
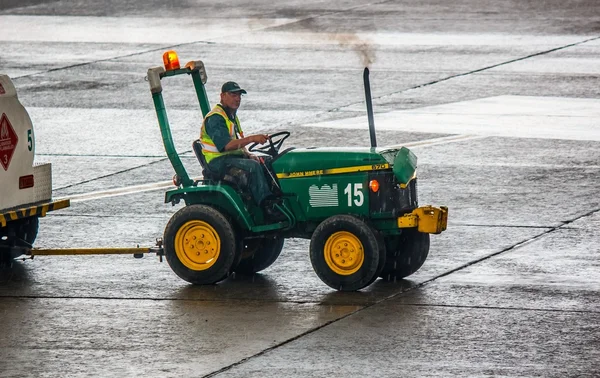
x,y
155,75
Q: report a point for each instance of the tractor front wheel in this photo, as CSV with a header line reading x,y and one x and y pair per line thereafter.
x,y
406,253
345,253
199,244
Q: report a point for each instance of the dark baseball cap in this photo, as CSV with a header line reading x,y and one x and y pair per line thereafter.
x,y
232,86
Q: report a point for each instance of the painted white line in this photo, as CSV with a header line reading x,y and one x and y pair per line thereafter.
x,y
441,140
116,192
84,197
503,116
171,30
161,30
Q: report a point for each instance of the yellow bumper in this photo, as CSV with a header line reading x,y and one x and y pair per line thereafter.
x,y
427,219
38,210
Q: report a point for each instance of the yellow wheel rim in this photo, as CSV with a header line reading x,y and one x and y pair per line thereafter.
x,y
344,253
197,245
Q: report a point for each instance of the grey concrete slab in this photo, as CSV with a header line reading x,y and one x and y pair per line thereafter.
x,y
30,58
489,197
511,181
430,341
527,310
194,10
69,173
290,278
462,16
76,174
487,84
573,61
559,271
144,338
532,311
513,152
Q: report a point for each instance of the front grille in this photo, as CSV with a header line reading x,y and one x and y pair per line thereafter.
x,y
390,198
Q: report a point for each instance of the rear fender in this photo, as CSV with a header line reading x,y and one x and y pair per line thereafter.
x,y
222,197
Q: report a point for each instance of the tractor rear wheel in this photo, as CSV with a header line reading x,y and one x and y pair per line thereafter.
x,y
200,244
406,253
258,254
345,253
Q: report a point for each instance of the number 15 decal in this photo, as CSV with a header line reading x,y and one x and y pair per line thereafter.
x,y
356,194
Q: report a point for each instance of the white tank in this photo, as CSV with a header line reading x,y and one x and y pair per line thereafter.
x,y
21,183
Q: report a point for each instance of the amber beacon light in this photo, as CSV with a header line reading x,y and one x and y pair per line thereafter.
x,y
171,60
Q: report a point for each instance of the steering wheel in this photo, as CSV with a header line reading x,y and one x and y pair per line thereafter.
x,y
274,145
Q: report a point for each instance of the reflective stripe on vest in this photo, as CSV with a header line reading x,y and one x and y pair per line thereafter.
x,y
209,150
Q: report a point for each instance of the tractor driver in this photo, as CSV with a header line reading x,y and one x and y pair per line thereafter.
x,y
223,146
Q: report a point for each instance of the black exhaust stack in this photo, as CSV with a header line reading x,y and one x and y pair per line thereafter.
x,y
369,107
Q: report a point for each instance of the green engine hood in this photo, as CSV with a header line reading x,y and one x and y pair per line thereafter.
x,y
304,162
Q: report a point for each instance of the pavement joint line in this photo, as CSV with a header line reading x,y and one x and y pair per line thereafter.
x,y
493,254
163,299
497,225
119,172
82,197
366,306
418,286
103,216
517,165
111,58
103,156
283,343
486,68
111,174
209,41
502,308
414,87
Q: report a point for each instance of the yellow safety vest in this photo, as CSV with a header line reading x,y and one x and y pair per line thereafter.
x,y
209,149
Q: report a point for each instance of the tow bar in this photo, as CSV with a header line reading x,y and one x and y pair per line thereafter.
x,y
136,252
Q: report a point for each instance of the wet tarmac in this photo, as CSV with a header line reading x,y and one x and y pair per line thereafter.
x,y
499,100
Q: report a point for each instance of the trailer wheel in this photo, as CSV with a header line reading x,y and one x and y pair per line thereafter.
x,y
200,244
344,253
406,253
14,234
259,254
29,229
21,229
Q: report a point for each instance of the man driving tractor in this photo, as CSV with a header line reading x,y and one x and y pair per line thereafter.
x,y
223,147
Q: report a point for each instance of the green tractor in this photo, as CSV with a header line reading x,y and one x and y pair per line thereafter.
x,y
358,207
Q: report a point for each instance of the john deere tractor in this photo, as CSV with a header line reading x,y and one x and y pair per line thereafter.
x,y
358,207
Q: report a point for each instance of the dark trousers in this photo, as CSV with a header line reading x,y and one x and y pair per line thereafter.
x,y
248,174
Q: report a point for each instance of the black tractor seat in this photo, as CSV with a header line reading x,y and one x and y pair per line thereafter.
x,y
207,173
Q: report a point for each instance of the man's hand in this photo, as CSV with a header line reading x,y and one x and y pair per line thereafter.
x,y
235,144
259,138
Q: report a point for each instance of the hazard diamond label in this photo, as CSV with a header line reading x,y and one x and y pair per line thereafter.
x,y
8,141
